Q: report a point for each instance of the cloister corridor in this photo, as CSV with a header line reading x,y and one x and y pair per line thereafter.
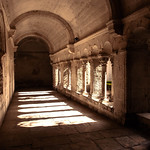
x,y
46,120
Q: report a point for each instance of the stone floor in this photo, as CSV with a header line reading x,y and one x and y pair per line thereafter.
x,y
45,120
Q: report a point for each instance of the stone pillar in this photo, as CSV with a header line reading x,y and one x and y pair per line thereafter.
x,y
103,63
83,76
54,67
112,84
62,78
59,75
69,70
80,77
65,64
96,81
74,75
92,77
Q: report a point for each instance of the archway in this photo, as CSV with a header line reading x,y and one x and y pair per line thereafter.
x,y
32,64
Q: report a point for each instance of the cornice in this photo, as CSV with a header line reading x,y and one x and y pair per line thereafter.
x,y
138,14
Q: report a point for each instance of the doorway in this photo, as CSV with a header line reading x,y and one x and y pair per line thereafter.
x,y
32,65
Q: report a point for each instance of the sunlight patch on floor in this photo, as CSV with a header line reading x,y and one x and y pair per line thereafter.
x,y
50,114
44,109
38,114
35,93
42,105
33,99
56,121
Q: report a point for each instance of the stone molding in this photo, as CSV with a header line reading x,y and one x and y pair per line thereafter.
x,y
138,14
95,35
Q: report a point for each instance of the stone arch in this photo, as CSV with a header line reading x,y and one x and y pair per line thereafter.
x,y
115,16
35,34
114,9
48,14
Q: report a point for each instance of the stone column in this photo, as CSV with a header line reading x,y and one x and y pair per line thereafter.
x,y
69,69
83,76
112,84
65,65
80,77
54,80
95,90
103,62
62,78
74,75
59,75
91,77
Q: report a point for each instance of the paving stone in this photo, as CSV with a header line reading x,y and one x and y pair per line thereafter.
x,y
93,135
66,130
137,138
116,132
106,144
15,140
84,128
142,147
50,141
126,141
78,138
84,146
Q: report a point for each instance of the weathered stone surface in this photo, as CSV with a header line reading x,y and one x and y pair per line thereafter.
x,y
106,144
126,141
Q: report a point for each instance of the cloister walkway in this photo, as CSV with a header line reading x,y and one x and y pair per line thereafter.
x,y
46,120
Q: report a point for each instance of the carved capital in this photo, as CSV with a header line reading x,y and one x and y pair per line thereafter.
x,y
103,61
119,43
94,50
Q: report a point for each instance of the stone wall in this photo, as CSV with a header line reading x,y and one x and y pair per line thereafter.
x,y
7,71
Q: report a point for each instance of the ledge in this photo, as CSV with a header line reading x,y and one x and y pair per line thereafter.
x,y
104,103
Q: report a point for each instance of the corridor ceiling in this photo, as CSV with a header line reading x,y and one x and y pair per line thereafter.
x,y
58,22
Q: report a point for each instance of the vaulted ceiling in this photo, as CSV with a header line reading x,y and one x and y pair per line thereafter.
x,y
58,22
